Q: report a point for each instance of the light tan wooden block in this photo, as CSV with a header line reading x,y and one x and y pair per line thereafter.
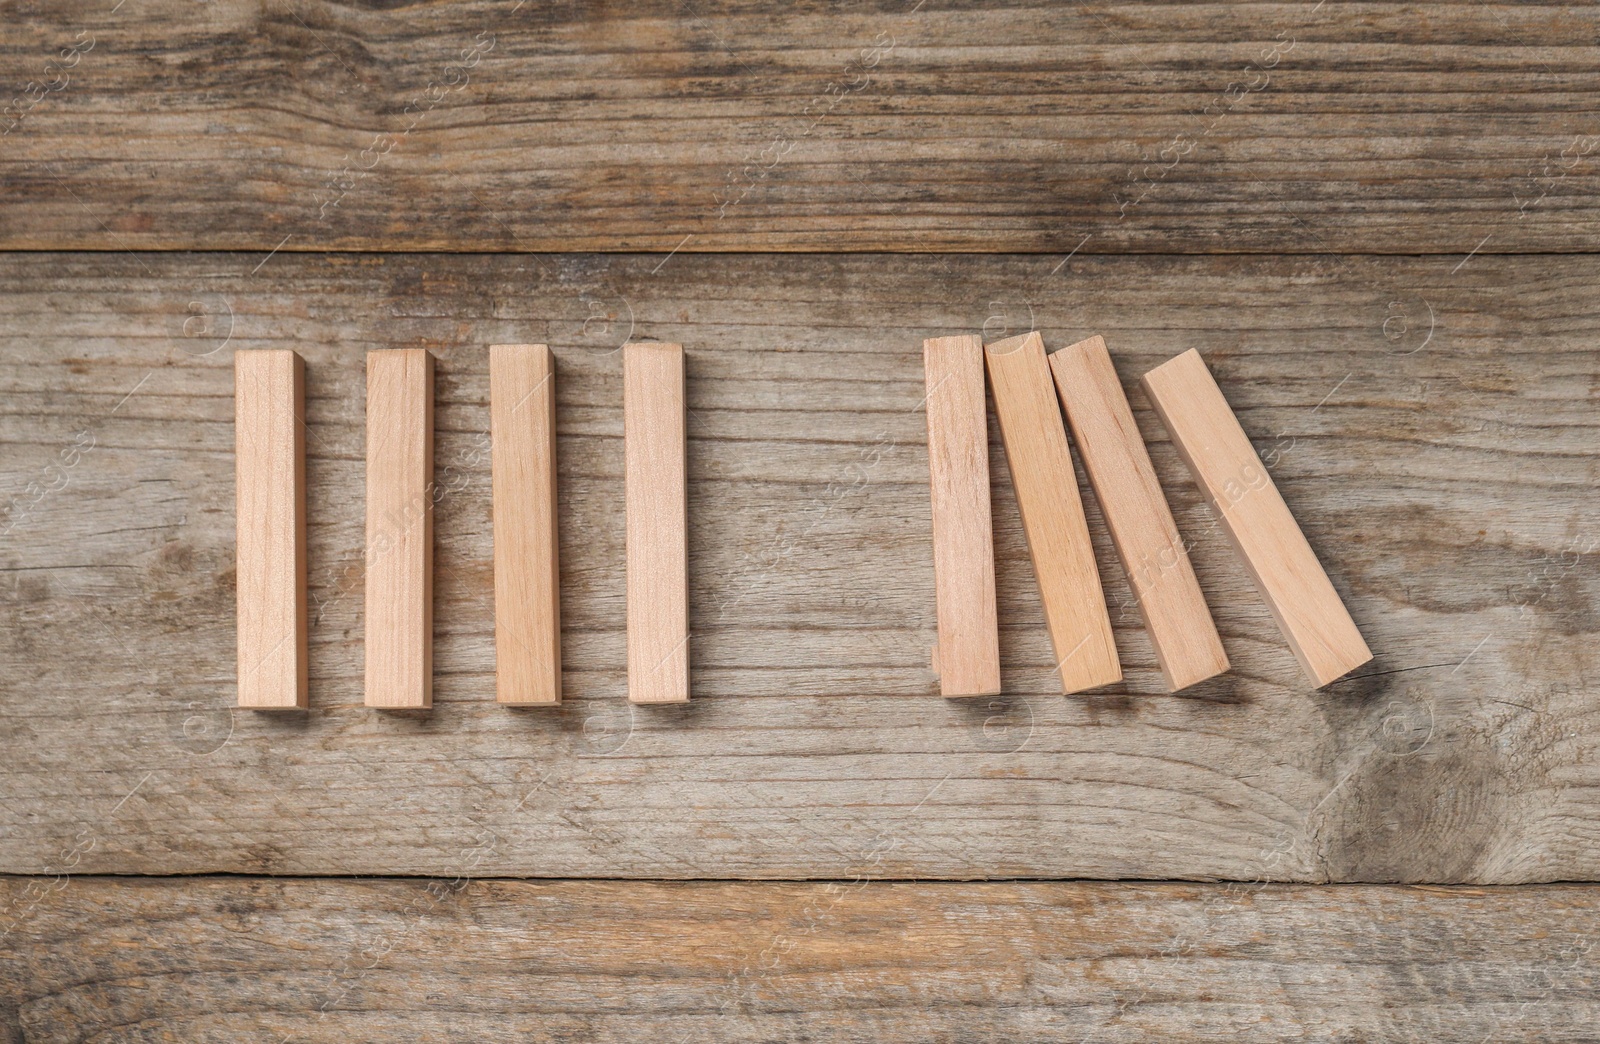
x,y
654,443
1052,513
527,591
1255,518
1147,540
270,556
399,528
963,537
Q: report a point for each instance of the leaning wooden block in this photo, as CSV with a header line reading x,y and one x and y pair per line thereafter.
x,y
1153,555
399,528
963,538
654,445
270,483
527,592
1255,518
1052,513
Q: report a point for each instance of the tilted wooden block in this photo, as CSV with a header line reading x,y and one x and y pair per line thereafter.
x,y
527,593
270,506
1153,554
1256,520
1052,513
963,538
400,491
654,445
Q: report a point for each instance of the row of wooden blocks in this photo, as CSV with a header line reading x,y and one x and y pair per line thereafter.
x,y
269,388
1026,385
271,519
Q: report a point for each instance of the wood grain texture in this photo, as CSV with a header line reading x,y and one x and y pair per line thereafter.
x,y
490,124
1152,553
400,498
1052,513
230,959
1252,514
655,447
1444,474
968,654
527,559
269,446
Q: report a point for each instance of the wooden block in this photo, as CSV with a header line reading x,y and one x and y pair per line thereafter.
x,y
1157,563
400,528
653,423
527,591
1052,513
270,556
1255,518
963,538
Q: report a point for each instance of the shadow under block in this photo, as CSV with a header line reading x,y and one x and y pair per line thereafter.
x,y
527,586
1257,522
1052,513
270,516
1174,610
653,423
399,606
968,659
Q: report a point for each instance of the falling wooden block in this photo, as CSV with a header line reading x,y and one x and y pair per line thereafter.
x,y
1255,518
653,425
270,483
527,592
399,528
1136,512
1052,513
963,539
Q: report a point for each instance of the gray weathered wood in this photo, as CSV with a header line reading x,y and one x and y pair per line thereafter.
x,y
1444,469
904,125
230,959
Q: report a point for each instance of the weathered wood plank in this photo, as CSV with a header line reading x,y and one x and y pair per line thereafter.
x,y
1443,469
497,124
230,959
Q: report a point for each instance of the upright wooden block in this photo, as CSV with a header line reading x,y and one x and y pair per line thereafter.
x,y
1164,586
963,538
1052,513
399,528
654,443
527,593
1255,518
270,483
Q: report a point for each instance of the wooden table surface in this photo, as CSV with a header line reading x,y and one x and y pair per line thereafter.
x,y
1378,224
